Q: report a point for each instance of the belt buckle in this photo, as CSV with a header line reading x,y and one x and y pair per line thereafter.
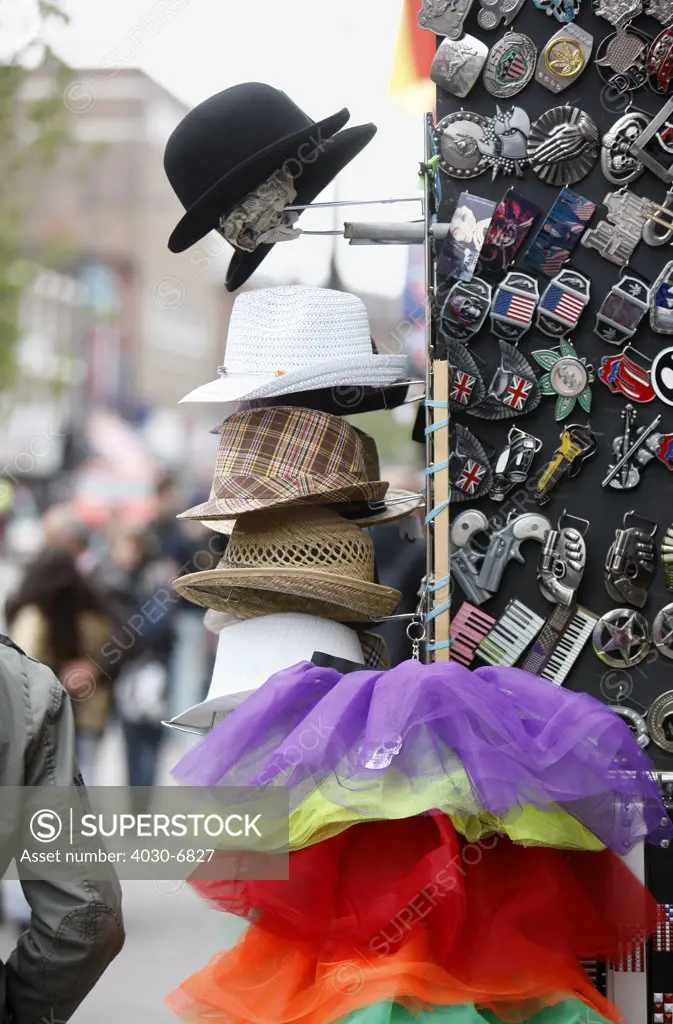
x,y
513,306
564,300
622,310
563,58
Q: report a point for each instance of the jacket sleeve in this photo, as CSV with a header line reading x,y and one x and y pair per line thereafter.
x,y
76,926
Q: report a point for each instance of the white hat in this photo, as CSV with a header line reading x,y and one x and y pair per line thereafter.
x,y
296,338
250,652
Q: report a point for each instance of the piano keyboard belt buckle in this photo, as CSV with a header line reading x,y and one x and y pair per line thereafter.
x,y
560,644
511,635
468,628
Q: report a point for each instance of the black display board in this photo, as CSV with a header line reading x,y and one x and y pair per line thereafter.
x,y
584,497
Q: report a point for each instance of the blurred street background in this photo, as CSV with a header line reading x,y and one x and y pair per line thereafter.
x,y
103,330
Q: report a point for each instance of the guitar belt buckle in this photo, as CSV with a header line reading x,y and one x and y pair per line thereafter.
x,y
622,310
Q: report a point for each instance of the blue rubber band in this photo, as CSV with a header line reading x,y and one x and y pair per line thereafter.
x,y
443,607
437,467
435,512
442,645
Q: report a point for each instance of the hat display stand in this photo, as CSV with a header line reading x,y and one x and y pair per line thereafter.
x,y
394,753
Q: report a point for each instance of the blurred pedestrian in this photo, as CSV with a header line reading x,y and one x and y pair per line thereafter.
x,y
139,580
75,929
61,619
190,548
62,528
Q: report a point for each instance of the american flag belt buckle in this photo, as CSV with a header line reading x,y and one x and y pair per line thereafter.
x,y
564,300
465,308
622,310
513,306
559,233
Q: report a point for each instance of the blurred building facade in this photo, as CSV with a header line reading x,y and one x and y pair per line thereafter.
x,y
119,323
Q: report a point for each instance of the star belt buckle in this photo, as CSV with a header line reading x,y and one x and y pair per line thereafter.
x,y
563,302
513,306
622,310
465,308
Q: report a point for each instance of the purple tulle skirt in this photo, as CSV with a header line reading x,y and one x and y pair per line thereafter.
x,y
494,738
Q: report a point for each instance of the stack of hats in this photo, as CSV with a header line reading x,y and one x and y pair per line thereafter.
x,y
293,487
454,835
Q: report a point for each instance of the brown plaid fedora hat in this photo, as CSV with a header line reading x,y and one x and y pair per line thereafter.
x,y
282,455
396,504
305,559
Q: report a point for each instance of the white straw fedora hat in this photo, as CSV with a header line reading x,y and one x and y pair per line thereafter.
x,y
296,338
250,652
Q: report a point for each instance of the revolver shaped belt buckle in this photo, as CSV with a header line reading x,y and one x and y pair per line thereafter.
x,y
562,561
631,561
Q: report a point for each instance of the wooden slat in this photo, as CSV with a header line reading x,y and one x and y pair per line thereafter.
x,y
441,493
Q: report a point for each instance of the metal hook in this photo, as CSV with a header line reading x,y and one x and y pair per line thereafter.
x,y
650,234
355,202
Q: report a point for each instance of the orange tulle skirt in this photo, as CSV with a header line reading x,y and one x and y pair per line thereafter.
x,y
500,926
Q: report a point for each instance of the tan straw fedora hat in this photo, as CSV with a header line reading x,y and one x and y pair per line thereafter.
x,y
285,456
305,559
396,503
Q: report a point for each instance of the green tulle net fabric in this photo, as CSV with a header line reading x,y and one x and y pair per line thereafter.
x,y
569,1011
316,819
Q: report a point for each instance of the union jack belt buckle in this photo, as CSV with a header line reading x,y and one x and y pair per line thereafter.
x,y
564,300
465,308
513,306
622,375
622,310
470,471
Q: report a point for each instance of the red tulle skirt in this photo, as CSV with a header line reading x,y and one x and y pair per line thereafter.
x,y
376,882
407,911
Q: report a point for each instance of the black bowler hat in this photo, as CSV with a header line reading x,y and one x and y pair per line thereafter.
x,y
233,142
